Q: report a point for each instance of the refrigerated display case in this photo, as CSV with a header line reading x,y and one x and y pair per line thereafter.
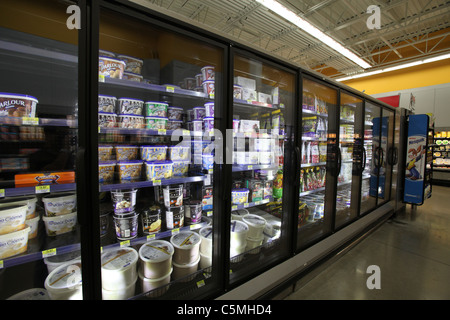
x,y
158,151
263,100
318,132
38,144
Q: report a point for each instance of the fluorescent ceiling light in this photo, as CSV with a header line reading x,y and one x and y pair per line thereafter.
x,y
309,28
397,67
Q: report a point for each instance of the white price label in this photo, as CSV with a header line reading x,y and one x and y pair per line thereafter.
x,y
170,89
49,253
30,121
176,231
125,243
42,189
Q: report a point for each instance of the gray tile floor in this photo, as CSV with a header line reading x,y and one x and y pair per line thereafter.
x,y
412,251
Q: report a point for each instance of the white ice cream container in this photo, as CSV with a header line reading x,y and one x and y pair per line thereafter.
x,y
120,294
254,243
256,226
205,261
30,201
12,218
156,258
33,223
183,270
206,244
59,204
238,233
14,243
65,283
119,268
54,262
187,245
60,224
151,284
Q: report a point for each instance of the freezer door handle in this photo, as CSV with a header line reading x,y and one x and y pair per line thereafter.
x,y
297,162
364,160
79,163
339,159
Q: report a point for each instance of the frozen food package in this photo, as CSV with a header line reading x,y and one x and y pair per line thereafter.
x,y
310,126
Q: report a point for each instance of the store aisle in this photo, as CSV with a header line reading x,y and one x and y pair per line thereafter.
x,y
412,251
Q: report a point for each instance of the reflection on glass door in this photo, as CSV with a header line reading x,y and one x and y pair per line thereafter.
x,y
386,148
318,136
263,100
39,232
370,172
349,159
158,107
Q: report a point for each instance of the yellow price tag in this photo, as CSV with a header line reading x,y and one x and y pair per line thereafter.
x,y
125,243
49,253
101,78
234,207
2,193
42,189
246,205
170,89
162,132
151,237
156,182
30,121
250,167
200,283
194,226
175,231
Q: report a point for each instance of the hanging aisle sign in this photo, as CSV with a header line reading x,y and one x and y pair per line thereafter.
x,y
416,159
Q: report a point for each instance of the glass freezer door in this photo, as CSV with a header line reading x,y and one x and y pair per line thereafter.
x,y
370,171
318,133
39,230
349,158
386,163
158,107
263,100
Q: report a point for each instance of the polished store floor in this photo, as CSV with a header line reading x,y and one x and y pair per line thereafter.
x,y
411,250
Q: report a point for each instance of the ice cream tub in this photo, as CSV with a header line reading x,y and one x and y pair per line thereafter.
x,y
237,92
106,53
106,103
131,106
238,214
253,244
190,115
65,282
156,123
193,211
105,153
14,243
59,204
208,73
132,64
33,224
174,217
156,258
157,170
198,80
199,113
129,170
107,119
238,233
106,170
208,88
110,67
125,152
148,284
31,294
206,233
239,196
182,271
235,125
124,201
189,83
236,253
119,268
128,121
153,153
151,220
17,105
197,125
54,262
175,113
187,245
205,261
29,201
120,294
180,167
208,123
209,109
207,161
174,124
126,225
173,196
256,226
56,225
179,152
156,109
133,76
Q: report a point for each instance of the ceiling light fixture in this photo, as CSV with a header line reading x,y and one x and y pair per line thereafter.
x,y
313,31
397,67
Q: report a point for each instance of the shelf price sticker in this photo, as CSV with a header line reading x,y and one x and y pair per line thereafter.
x,y
125,243
2,193
151,237
156,182
162,132
194,226
42,189
1,264
49,253
175,231
200,283
30,121
234,207
101,78
170,89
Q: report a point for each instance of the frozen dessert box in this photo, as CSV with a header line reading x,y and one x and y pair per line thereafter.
x,y
110,67
126,152
106,170
130,106
156,258
105,153
239,196
157,170
180,167
29,201
124,201
128,121
129,170
119,268
187,247
209,109
17,105
179,152
156,123
175,113
56,225
106,103
59,204
153,153
12,218
107,119
156,109
132,77
132,64
14,243
65,282
208,73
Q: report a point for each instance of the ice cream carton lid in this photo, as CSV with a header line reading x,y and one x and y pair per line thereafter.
x,y
156,102
129,57
208,118
208,81
133,99
119,259
254,220
238,226
156,117
185,240
112,59
130,162
156,251
173,107
159,162
206,232
198,107
107,113
106,96
154,146
65,277
133,74
240,190
17,96
107,163
131,115
125,146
